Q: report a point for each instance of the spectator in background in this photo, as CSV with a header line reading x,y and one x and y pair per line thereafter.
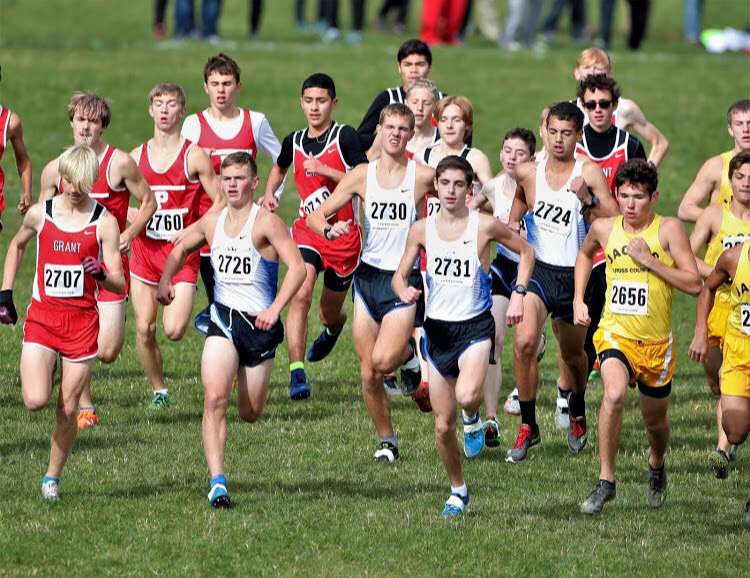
x,y
401,7
639,10
578,19
442,20
184,16
330,12
299,15
160,9
253,18
692,17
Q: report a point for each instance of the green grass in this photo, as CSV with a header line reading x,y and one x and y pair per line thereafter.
x,y
309,500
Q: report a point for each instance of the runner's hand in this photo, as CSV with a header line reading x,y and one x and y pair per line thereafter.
x,y
8,314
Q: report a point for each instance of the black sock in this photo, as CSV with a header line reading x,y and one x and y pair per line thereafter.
x,y
528,413
563,392
577,405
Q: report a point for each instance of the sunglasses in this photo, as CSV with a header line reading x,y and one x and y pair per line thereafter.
x,y
604,104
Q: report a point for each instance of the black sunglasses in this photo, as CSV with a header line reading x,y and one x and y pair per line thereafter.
x,y
604,104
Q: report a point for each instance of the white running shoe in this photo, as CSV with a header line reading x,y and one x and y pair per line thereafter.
x,y
50,488
562,415
512,405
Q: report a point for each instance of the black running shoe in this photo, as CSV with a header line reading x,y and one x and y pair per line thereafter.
x,y
323,345
719,460
411,378
657,486
603,493
386,454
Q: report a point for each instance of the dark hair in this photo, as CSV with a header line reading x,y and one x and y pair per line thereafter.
x,y
599,82
320,80
566,111
397,109
222,64
241,159
739,106
638,172
414,46
457,163
737,161
523,134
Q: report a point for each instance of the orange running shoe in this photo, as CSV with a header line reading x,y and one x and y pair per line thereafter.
x,y
87,417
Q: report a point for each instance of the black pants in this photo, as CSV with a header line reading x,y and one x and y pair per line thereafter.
x,y
578,17
330,11
639,10
253,18
160,9
596,290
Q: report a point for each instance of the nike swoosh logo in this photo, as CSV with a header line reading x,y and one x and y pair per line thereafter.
x,y
243,237
404,190
467,242
88,232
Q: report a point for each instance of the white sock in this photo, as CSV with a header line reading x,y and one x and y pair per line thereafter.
x,y
461,490
164,391
412,364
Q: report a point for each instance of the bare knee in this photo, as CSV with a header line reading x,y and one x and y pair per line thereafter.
x,y
444,428
385,361
35,402
614,399
175,331
736,433
468,398
249,415
371,379
302,300
525,346
145,331
108,354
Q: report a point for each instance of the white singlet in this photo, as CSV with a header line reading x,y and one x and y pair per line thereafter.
x,y
389,213
503,189
556,228
245,281
458,286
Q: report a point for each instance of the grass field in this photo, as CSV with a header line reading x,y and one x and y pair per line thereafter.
x,y
309,500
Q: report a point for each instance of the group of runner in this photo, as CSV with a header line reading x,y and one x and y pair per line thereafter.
x,y
577,239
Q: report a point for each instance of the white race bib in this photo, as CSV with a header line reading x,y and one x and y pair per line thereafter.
x,y
63,281
629,298
453,272
745,318
558,217
388,215
732,241
314,200
165,224
234,267
433,205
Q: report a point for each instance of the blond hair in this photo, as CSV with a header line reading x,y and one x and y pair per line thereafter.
x,y
595,57
463,103
79,165
168,89
426,84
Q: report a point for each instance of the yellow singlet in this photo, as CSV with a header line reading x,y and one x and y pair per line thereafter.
x,y
739,295
638,302
732,232
725,189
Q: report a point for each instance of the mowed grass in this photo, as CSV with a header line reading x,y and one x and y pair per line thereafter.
x,y
309,500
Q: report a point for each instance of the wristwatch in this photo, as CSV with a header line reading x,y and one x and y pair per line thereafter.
x,y
593,204
520,289
326,230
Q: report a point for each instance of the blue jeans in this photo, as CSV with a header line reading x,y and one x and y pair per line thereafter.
x,y
692,15
184,16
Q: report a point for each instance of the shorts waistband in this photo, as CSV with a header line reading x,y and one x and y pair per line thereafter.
x,y
559,268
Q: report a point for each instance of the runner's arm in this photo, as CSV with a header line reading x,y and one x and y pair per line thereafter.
x,y
138,187
48,181
699,191
200,165
109,235
28,230
583,266
637,120
350,186
23,161
400,280
597,187
700,237
193,237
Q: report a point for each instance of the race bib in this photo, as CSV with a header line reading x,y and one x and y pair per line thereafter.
x,y
385,215
63,281
314,200
555,218
629,298
732,241
234,267
433,205
165,224
745,318
453,272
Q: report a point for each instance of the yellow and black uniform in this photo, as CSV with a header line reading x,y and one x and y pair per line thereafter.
x,y
725,189
636,327
732,231
735,373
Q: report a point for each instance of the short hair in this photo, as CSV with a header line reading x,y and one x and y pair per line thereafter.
x,y
221,64
457,163
414,46
638,172
79,165
425,84
463,103
523,134
741,158
90,105
240,159
566,111
397,109
739,106
594,57
168,88
599,82
320,80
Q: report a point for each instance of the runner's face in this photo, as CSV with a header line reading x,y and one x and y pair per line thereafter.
x,y
86,130
222,90
739,128
318,106
238,185
452,189
562,137
514,152
741,184
167,112
452,126
635,203
74,196
412,68
599,118
588,69
421,103
395,132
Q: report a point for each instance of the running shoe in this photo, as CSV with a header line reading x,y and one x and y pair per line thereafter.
x,y
603,493
562,412
577,436
512,405
657,486
298,388
219,497
159,401
323,345
746,519
455,506
473,437
411,378
50,488
422,397
525,440
542,349
87,417
491,433
719,461
387,453
202,320
390,385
